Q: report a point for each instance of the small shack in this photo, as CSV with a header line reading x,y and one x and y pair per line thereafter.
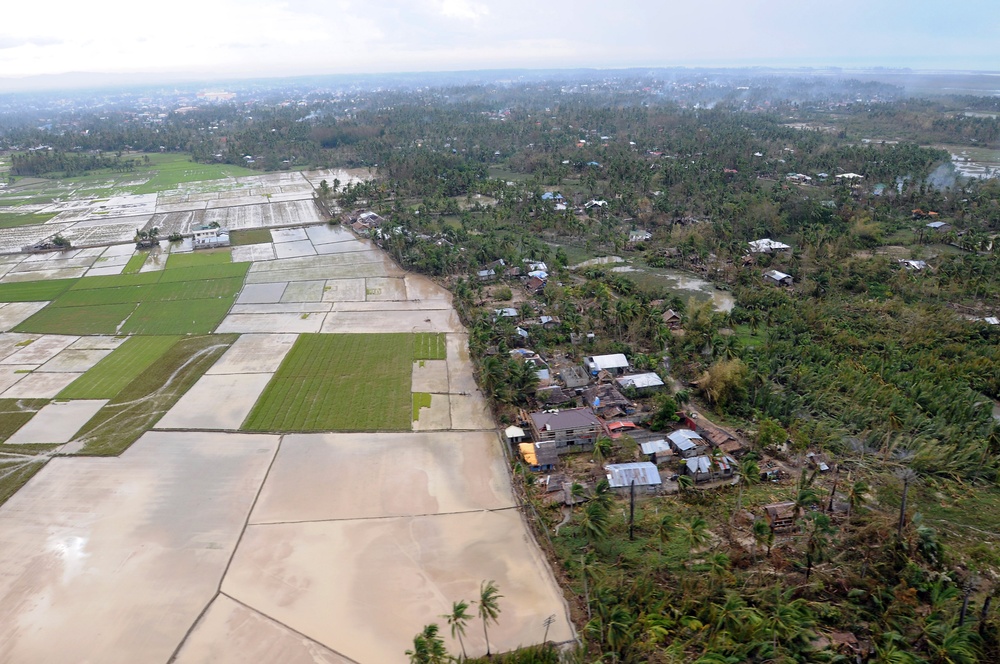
x,y
658,451
778,278
687,443
643,473
643,383
781,516
514,435
209,237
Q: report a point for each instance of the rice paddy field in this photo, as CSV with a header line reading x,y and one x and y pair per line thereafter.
x,y
109,376
137,406
339,382
191,298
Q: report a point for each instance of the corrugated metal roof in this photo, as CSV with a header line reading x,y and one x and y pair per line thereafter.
x,y
622,474
574,418
698,464
683,438
655,446
514,432
640,381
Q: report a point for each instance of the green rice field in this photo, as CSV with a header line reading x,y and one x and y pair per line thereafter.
x,y
188,300
178,317
199,259
250,236
34,291
141,403
109,376
339,382
94,319
15,413
135,263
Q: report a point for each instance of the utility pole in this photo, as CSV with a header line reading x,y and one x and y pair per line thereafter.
x,y
631,512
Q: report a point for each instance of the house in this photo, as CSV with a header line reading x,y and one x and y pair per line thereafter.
x,y
514,434
778,278
617,429
595,203
207,237
913,265
704,468
574,377
672,319
537,266
938,226
781,516
615,364
505,312
717,436
486,275
643,474
534,285
606,401
639,236
553,395
512,272
573,430
687,443
538,458
548,322
818,462
370,219
849,176
658,451
642,383
767,246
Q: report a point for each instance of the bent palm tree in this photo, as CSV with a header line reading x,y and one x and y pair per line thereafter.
x,y
489,607
457,620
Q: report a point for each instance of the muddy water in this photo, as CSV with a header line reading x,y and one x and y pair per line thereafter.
x,y
679,282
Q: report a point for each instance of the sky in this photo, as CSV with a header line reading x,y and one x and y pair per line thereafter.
x,y
256,38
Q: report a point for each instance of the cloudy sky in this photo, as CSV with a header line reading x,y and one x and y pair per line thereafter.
x,y
209,38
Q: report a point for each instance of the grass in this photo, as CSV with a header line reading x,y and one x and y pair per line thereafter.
x,y
178,317
109,376
15,413
198,259
34,291
339,382
162,292
95,319
141,403
135,264
429,346
15,219
420,400
250,236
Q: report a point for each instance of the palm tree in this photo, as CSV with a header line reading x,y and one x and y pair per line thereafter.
x,y
761,533
428,647
694,533
665,528
603,447
489,607
457,620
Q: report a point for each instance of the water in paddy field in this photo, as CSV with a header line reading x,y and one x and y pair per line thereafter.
x,y
679,282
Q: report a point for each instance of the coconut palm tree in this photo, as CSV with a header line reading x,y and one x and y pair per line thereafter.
x,y
694,533
428,647
457,620
489,607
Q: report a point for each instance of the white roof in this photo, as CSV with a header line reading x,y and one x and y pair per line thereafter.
x,y
684,439
936,224
655,446
992,320
776,275
640,381
643,472
616,361
540,274
850,176
767,244
507,312
514,432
